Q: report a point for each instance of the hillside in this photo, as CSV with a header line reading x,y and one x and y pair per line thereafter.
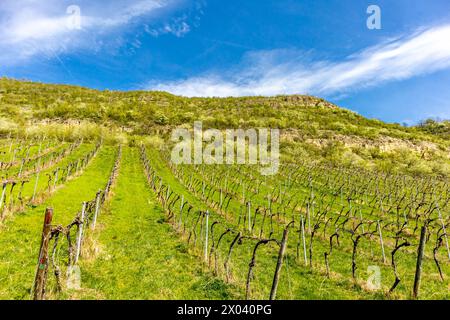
x,y
355,205
312,129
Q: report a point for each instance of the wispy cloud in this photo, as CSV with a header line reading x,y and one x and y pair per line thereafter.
x,y
31,27
289,72
178,27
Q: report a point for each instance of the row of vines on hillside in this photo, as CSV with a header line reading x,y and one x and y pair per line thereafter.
x,y
35,185
330,213
62,246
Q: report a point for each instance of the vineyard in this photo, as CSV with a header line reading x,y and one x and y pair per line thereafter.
x,y
276,236
91,220
93,207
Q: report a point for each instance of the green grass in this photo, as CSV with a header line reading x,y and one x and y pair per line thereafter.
x,y
140,257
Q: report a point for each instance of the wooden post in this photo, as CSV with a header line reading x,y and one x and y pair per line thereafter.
x,y
42,268
21,168
276,277
28,152
381,241
13,157
304,241
420,251
2,198
361,219
40,148
56,178
180,222
37,180
80,234
97,208
69,168
249,216
206,235
309,217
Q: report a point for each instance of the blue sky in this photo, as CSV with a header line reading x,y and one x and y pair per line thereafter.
x,y
399,73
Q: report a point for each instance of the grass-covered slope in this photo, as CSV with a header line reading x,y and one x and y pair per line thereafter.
x,y
345,214
20,234
139,256
312,128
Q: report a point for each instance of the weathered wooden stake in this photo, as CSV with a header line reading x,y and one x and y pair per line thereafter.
x,y
276,278
21,168
80,234
42,268
309,217
381,241
167,194
304,241
56,178
361,219
35,186
206,235
3,195
420,251
13,157
180,222
249,216
97,208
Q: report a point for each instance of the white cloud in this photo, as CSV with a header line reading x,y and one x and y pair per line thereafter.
x,y
123,16
290,72
178,27
31,27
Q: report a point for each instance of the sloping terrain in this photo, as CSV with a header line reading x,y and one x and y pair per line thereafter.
x,y
312,129
353,207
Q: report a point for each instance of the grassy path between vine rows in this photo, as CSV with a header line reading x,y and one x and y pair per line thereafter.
x,y
21,234
139,255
